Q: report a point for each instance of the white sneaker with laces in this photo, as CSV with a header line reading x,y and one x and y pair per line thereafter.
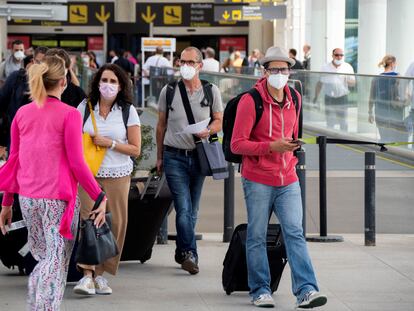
x,y
311,300
101,286
264,301
85,286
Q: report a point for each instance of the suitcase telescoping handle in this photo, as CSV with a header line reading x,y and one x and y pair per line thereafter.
x,y
159,187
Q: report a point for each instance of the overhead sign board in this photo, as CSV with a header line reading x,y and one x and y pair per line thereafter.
x,y
249,13
77,14
180,15
150,44
36,12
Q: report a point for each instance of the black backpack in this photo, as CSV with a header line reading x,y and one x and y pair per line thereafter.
x,y
229,117
125,114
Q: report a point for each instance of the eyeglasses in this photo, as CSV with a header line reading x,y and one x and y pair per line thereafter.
x,y
188,62
336,55
275,70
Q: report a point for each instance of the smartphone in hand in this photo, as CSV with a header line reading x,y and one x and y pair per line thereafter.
x,y
297,142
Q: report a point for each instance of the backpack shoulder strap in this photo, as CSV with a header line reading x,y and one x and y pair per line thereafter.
x,y
86,113
295,100
258,103
208,92
169,96
125,114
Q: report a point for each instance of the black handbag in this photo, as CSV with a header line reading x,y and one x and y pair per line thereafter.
x,y
96,244
210,155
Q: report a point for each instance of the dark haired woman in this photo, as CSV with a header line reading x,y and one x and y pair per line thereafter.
x,y
110,96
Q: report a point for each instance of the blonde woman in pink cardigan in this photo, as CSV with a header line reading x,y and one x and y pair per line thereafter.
x,y
44,167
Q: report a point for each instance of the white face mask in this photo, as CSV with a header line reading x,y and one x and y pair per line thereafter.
x,y
108,90
19,55
338,62
187,72
278,81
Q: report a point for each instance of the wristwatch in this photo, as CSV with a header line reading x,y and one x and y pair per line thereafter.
x,y
113,145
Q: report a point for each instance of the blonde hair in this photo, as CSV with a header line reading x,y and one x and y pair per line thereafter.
x,y
387,60
45,77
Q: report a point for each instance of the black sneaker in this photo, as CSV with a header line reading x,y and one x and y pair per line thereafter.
x,y
190,264
179,257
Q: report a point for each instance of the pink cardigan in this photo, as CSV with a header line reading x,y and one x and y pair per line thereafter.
x,y
46,158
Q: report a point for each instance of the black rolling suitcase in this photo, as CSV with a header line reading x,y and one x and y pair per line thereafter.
x,y
147,209
234,276
13,246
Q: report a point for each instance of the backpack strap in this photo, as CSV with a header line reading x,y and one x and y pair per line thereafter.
x,y
258,103
125,114
295,100
208,93
169,96
86,113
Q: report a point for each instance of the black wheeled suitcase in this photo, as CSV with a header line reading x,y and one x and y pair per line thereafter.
x,y
148,204
234,276
13,246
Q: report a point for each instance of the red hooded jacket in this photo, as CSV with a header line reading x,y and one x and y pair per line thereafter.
x,y
259,164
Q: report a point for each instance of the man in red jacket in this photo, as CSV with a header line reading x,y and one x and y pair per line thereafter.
x,y
270,182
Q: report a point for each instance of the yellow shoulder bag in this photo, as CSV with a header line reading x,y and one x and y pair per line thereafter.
x,y
93,154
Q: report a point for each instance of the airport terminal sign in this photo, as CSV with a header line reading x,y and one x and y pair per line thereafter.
x,y
79,14
249,12
180,15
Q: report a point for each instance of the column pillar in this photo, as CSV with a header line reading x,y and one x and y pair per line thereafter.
x,y
400,24
125,11
328,30
371,48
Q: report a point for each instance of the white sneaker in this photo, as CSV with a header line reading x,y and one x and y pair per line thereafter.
x,y
311,300
264,301
101,286
85,286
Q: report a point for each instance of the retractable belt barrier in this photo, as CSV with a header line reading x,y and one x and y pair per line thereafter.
x,y
314,140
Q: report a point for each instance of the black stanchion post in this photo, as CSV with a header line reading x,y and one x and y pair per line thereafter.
x,y
301,172
369,198
229,205
322,187
323,215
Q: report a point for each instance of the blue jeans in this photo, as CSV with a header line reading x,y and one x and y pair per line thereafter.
x,y
286,202
185,182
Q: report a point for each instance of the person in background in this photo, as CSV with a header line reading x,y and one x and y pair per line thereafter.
x,y
336,89
253,59
210,63
29,51
12,63
298,64
15,93
92,60
270,182
306,57
48,129
73,94
113,56
176,154
125,64
130,57
110,94
238,60
386,102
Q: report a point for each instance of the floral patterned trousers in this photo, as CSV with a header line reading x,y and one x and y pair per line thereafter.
x,y
51,250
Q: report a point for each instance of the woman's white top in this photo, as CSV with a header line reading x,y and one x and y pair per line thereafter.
x,y
114,164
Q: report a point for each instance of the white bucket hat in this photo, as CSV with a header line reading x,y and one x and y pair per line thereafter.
x,y
276,53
